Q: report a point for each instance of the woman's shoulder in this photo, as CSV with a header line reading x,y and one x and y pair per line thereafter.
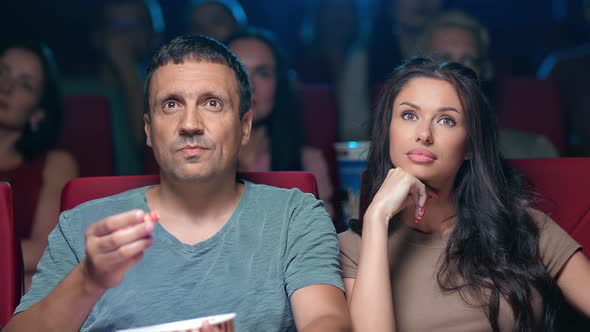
x,y
60,162
311,151
556,246
313,159
350,241
543,222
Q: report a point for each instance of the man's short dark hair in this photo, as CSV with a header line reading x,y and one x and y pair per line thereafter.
x,y
200,48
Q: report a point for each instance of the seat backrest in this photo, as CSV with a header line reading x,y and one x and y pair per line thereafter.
x,y
10,258
563,186
87,133
81,190
533,105
320,115
320,129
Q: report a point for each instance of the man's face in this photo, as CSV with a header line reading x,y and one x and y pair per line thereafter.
x,y
195,128
456,45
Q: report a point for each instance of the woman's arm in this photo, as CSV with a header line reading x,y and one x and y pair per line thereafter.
x,y
314,161
369,296
60,167
574,281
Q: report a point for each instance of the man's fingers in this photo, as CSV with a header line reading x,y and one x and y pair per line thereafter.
x,y
124,253
121,237
116,222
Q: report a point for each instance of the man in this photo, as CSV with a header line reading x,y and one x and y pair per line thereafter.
x,y
220,245
461,38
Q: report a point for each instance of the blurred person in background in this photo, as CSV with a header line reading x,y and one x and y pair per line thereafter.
x,y
570,68
276,141
218,19
398,24
127,32
459,37
334,51
31,108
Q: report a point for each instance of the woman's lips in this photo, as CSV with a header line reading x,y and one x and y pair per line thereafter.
x,y
421,156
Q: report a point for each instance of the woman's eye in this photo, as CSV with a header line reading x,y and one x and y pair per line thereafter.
x,y
447,122
26,86
264,74
409,116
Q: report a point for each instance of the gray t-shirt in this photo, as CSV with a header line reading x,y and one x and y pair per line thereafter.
x,y
276,242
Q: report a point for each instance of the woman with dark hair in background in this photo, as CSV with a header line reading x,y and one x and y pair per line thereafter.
x,y
218,19
334,51
276,141
450,240
398,23
31,107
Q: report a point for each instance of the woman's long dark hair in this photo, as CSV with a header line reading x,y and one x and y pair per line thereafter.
x,y
493,251
284,122
33,143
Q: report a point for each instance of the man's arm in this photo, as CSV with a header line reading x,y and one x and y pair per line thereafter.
x,y
320,308
113,246
56,312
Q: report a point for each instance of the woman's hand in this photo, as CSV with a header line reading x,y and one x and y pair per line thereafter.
x,y
398,191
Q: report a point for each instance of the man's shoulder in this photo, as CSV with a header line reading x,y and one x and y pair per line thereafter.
x,y
91,211
274,195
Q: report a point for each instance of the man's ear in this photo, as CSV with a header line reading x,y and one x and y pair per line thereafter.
x,y
147,125
246,127
36,117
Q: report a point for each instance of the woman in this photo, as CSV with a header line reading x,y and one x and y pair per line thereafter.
x,y
276,140
31,107
334,51
218,19
449,240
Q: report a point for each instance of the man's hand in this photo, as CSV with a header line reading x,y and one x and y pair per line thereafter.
x,y
114,245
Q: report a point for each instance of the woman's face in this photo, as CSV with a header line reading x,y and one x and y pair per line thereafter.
x,y
21,86
213,20
261,66
415,13
428,131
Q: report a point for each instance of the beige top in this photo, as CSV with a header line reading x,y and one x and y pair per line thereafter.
x,y
419,303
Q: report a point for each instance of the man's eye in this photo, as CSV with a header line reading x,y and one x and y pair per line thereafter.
x,y
169,104
214,104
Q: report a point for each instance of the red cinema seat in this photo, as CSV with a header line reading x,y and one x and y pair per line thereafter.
x,y
532,105
87,133
10,258
81,190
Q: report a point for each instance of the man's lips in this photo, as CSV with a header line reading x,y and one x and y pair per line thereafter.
x,y
193,147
